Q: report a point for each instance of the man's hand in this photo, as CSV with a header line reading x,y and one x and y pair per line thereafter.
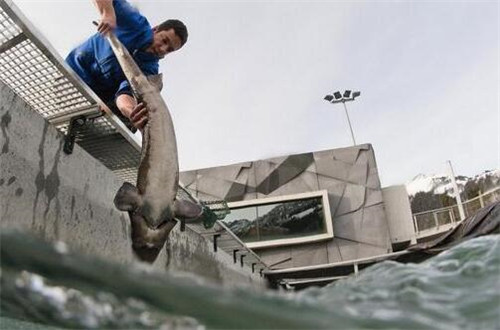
x,y
108,17
136,113
107,23
139,116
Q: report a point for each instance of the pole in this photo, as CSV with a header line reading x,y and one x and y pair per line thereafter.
x,y
457,193
349,121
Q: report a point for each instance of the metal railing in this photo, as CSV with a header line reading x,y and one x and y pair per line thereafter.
x,y
35,72
438,220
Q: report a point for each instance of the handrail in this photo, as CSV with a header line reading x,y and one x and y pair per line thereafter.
x,y
456,205
436,226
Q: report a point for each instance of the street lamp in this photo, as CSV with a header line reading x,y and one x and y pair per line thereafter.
x,y
338,97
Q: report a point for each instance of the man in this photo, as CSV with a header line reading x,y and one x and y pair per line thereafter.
x,y
96,64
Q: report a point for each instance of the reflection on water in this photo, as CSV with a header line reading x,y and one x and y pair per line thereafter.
x,y
45,286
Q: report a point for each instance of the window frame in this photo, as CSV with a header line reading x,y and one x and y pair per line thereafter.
x,y
327,218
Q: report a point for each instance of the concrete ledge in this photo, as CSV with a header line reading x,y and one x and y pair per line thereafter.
x,y
69,198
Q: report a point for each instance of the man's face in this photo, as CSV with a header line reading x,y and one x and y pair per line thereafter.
x,y
164,42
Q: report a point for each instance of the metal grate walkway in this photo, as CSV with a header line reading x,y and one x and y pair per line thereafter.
x,y
34,71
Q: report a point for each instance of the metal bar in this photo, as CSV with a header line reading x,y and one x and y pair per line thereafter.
x,y
349,121
215,241
237,239
341,263
11,43
83,111
481,201
312,280
280,262
415,224
69,140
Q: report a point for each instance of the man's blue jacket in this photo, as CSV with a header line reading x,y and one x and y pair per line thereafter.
x,y
96,64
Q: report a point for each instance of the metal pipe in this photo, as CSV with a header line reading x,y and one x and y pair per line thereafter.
x,y
349,121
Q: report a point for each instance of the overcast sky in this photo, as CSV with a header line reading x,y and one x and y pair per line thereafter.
x,y
250,82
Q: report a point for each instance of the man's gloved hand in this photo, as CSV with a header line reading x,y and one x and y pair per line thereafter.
x,y
139,116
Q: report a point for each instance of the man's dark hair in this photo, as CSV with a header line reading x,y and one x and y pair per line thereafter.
x,y
179,28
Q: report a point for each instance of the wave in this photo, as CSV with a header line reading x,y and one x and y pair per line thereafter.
x,y
459,288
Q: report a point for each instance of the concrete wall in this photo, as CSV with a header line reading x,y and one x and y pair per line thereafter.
x,y
69,198
399,217
349,175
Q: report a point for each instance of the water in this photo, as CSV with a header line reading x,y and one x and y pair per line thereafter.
x,y
54,288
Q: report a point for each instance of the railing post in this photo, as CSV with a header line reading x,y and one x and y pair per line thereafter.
x,y
481,201
457,192
415,224
452,216
435,219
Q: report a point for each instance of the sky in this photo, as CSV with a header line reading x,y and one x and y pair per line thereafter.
x,y
249,83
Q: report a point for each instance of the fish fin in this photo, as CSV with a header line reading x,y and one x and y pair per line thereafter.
x,y
156,80
127,198
186,209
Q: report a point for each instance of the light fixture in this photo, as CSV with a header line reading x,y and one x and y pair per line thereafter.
x,y
338,97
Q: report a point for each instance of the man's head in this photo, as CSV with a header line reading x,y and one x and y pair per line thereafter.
x,y
168,37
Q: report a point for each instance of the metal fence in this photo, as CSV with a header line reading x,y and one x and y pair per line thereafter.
x,y
447,217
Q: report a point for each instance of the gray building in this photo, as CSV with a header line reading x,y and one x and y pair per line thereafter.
x,y
309,209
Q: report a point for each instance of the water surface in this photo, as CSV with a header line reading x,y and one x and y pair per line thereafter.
x,y
45,286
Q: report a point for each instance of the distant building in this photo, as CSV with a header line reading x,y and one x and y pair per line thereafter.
x,y
313,208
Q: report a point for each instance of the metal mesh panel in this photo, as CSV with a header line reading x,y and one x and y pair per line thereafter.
x,y
31,69
8,29
27,71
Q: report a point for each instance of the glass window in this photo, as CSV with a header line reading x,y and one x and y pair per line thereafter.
x,y
280,220
243,222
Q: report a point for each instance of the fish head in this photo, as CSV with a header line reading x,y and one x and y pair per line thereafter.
x,y
154,215
147,243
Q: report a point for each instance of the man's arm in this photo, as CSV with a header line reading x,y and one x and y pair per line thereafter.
x,y
126,103
108,17
137,113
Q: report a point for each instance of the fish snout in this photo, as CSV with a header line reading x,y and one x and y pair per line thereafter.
x,y
154,217
146,242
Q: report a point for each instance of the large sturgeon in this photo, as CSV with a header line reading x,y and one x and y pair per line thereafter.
x,y
152,204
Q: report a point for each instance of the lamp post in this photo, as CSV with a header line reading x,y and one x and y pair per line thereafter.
x,y
338,97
